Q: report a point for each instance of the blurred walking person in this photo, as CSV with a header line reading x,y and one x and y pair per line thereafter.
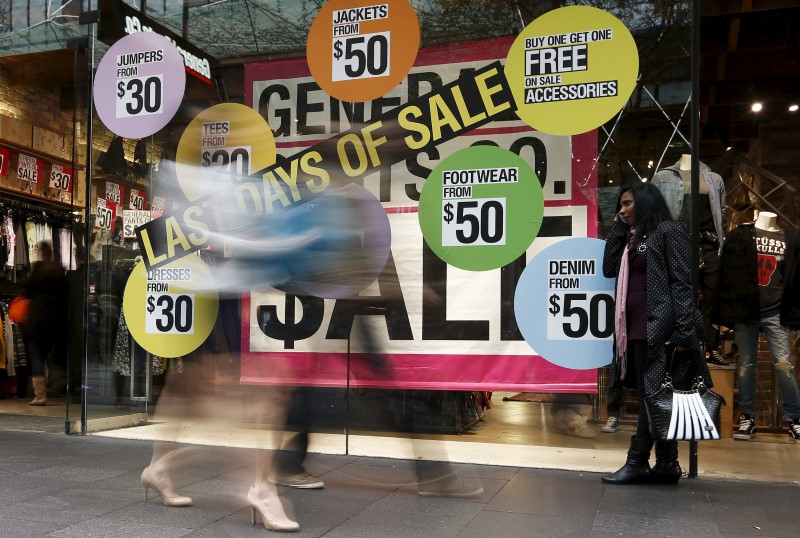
x,y
46,288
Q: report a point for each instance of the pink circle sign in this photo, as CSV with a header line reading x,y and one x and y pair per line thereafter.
x,y
139,85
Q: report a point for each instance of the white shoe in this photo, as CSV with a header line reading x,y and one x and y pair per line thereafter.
x,y
611,425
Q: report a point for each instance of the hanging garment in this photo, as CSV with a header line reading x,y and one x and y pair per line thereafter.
x,y
122,358
7,230
20,354
21,246
8,340
35,233
3,358
67,247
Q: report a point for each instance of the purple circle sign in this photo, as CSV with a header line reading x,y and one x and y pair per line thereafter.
x,y
353,245
139,85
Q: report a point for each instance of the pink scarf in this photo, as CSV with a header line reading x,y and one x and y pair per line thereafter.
x,y
620,314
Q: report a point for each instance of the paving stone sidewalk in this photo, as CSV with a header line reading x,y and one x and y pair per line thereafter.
x,y
56,485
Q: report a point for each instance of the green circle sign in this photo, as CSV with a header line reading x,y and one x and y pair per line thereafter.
x,y
481,208
171,310
572,69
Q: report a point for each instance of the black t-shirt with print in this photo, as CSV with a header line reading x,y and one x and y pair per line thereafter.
x,y
770,247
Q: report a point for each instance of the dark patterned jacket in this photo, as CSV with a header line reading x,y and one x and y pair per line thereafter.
x,y
738,279
672,315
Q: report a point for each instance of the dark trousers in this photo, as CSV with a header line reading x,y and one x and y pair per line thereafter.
x,y
614,400
634,378
289,459
38,348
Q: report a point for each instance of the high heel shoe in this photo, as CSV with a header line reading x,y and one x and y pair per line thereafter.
x,y
272,521
168,494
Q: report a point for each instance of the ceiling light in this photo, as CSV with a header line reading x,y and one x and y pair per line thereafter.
x,y
793,108
756,107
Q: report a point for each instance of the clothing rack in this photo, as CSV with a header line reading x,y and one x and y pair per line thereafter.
x,y
61,218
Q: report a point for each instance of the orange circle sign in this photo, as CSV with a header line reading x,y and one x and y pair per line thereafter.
x,y
358,50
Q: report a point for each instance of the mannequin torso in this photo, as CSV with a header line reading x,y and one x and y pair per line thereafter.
x,y
767,221
685,168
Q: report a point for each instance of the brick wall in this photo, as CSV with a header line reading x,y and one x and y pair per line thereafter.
x,y
32,117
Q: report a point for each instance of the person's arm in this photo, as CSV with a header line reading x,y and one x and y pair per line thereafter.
x,y
678,259
615,244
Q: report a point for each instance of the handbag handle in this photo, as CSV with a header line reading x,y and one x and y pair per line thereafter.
x,y
700,383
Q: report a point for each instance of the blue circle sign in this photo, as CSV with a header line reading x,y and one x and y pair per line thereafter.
x,y
565,306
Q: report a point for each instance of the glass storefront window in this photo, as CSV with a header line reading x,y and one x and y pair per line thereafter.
x,y
432,348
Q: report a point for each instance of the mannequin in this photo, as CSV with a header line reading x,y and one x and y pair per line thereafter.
x,y
759,292
767,221
675,183
685,167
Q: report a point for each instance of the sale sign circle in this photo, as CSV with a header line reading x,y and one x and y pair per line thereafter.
x,y
565,306
572,69
171,310
358,50
353,245
481,208
139,85
222,145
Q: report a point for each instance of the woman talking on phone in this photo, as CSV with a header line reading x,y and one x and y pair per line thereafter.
x,y
655,313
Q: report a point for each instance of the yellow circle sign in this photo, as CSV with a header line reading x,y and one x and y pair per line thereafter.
x,y
170,311
221,144
572,69
358,50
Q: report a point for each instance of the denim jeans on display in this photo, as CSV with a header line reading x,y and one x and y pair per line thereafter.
x,y
778,340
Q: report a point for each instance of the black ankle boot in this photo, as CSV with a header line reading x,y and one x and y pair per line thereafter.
x,y
636,469
667,469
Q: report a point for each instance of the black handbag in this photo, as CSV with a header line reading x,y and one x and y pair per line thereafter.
x,y
684,415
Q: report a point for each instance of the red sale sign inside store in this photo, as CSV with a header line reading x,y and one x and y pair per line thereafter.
x,y
158,203
115,192
137,199
106,214
29,169
5,155
61,178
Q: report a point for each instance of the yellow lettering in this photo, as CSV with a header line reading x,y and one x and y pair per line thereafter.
x,y
272,192
201,233
321,173
406,123
373,143
441,115
290,179
175,237
487,92
466,118
360,153
249,189
148,249
214,209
